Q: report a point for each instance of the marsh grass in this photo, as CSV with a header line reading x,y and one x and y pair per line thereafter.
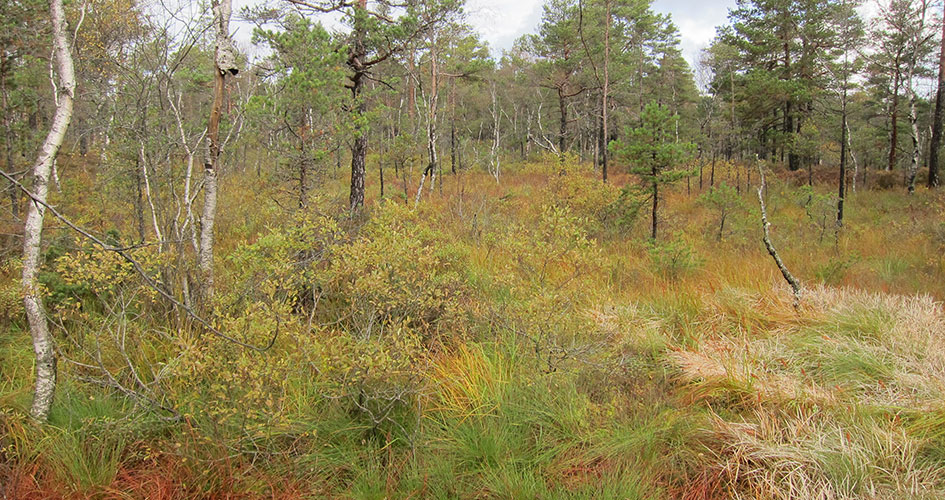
x,y
558,358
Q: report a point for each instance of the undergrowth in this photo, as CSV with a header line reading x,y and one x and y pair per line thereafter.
x,y
519,339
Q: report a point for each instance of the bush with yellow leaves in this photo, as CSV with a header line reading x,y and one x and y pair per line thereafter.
x,y
10,296
391,294
357,311
586,196
99,304
88,280
546,282
398,271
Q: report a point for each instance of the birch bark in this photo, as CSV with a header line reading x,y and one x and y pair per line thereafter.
x,y
33,228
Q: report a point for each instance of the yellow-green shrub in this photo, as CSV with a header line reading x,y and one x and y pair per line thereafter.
x,y
9,291
585,196
397,271
357,310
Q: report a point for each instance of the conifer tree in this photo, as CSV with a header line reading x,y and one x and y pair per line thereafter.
x,y
654,154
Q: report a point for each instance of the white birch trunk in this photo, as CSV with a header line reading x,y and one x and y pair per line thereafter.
x,y
147,194
916,147
431,124
766,238
856,166
224,62
189,222
494,153
913,116
32,234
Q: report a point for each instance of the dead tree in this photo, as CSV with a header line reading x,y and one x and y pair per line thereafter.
x,y
795,284
224,62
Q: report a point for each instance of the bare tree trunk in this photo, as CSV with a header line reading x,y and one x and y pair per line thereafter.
x,y
452,126
207,219
599,143
738,180
722,226
359,147
495,160
147,193
733,132
528,135
712,171
139,200
916,148
856,166
563,122
430,171
411,85
795,285
403,172
893,119
224,60
701,166
303,183
189,221
32,234
604,103
656,202
841,189
55,177
937,118
913,115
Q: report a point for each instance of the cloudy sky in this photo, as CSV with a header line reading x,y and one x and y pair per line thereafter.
x,y
502,21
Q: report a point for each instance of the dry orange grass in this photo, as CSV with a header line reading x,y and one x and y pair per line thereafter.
x,y
838,399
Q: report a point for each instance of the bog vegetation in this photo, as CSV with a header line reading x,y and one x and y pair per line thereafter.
x,y
378,260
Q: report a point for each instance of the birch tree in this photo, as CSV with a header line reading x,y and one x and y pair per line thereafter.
x,y
64,95
919,49
903,25
224,62
432,105
851,35
889,63
443,26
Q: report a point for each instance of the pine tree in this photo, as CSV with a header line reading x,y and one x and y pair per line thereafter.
x,y
654,154
783,46
560,54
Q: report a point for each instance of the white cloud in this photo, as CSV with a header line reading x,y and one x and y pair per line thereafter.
x,y
501,22
695,36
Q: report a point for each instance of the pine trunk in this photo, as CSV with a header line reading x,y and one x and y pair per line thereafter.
x,y
359,147
841,189
937,118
